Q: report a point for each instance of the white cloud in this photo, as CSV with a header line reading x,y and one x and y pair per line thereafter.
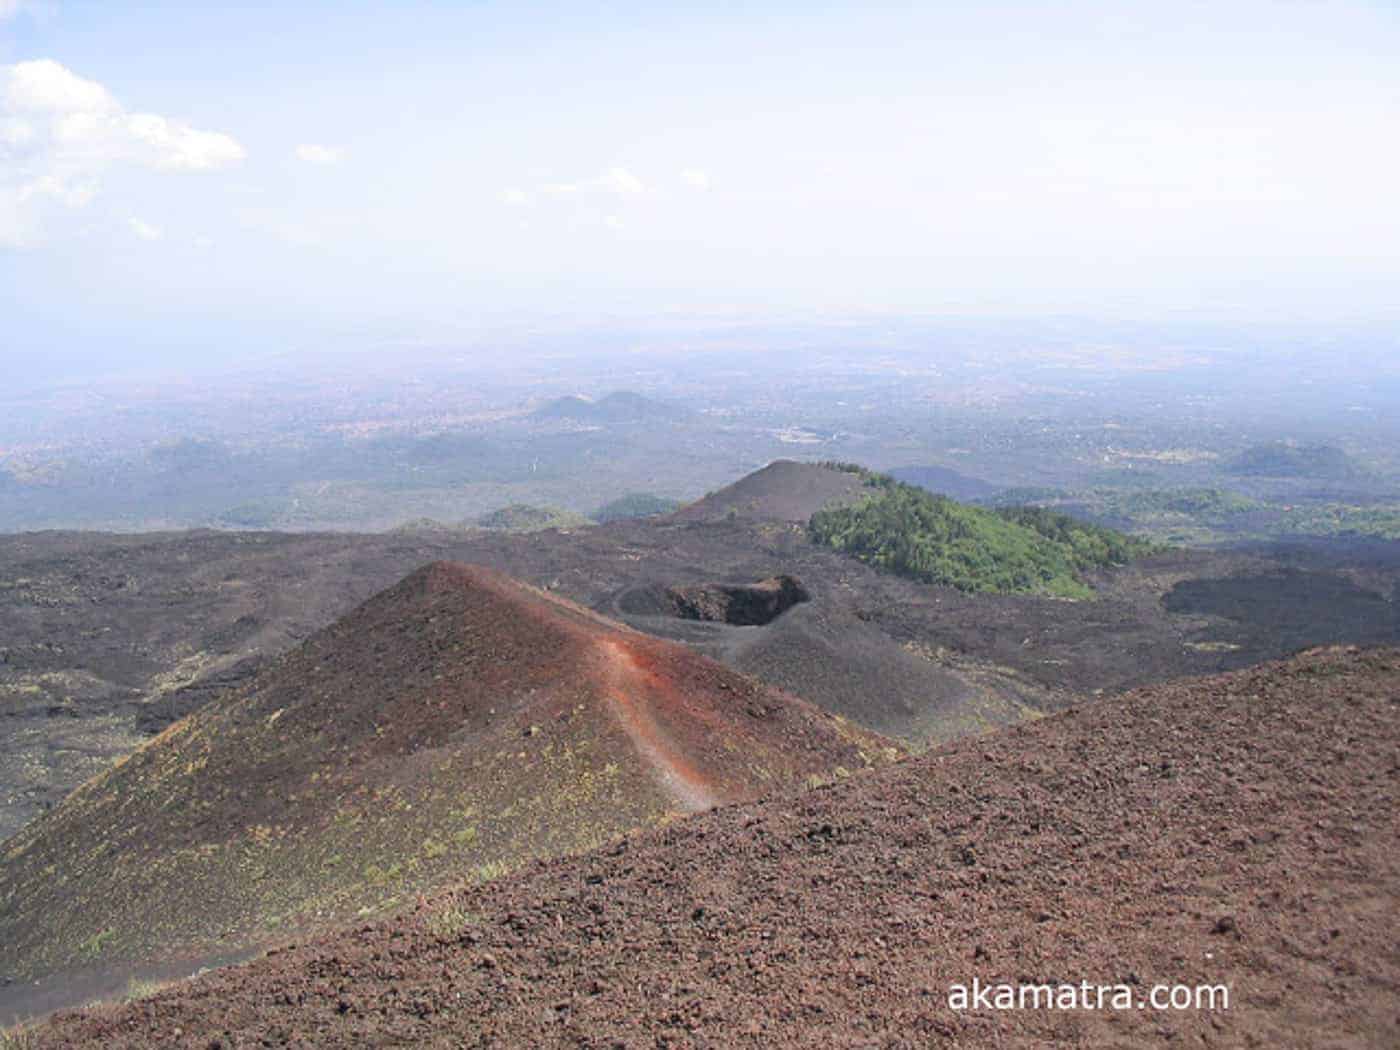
x,y
695,178
515,197
60,133
179,147
144,230
313,153
616,181
44,86
621,181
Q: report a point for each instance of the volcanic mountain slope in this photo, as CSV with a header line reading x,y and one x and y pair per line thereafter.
x,y
453,726
784,490
106,638
1237,831
825,652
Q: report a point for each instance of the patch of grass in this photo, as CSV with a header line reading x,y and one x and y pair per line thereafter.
x,y
93,946
379,876
491,870
18,1037
450,921
136,988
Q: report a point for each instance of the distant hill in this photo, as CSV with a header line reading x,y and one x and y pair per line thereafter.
x,y
190,454
634,505
454,726
621,406
524,517
782,491
1232,834
938,540
1281,459
427,527
946,481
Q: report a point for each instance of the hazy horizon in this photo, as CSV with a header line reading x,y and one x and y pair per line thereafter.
x,y
182,181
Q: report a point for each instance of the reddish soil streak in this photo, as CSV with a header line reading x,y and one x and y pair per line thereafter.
x,y
628,689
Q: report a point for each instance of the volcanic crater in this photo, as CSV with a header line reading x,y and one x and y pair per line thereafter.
x,y
737,604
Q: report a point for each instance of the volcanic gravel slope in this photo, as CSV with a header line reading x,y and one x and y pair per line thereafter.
x,y
458,723
106,639
785,490
1238,830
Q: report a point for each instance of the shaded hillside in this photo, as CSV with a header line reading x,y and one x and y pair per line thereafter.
x,y
830,646
455,725
1236,831
1292,600
847,665
782,491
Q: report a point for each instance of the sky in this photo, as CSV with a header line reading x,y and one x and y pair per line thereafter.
x,y
184,180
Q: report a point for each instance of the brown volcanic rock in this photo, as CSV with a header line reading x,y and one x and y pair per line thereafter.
x,y
457,724
1240,830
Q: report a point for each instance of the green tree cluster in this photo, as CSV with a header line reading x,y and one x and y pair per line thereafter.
x,y
634,505
931,538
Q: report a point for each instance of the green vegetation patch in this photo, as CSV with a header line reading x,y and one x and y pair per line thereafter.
x,y
1204,516
934,539
844,467
1212,504
523,517
1340,519
634,505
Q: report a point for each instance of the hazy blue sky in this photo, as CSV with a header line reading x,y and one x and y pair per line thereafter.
x,y
194,174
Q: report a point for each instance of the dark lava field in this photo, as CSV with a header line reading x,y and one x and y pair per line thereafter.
x,y
105,639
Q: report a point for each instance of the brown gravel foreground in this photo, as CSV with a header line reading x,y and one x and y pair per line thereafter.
x,y
1239,830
